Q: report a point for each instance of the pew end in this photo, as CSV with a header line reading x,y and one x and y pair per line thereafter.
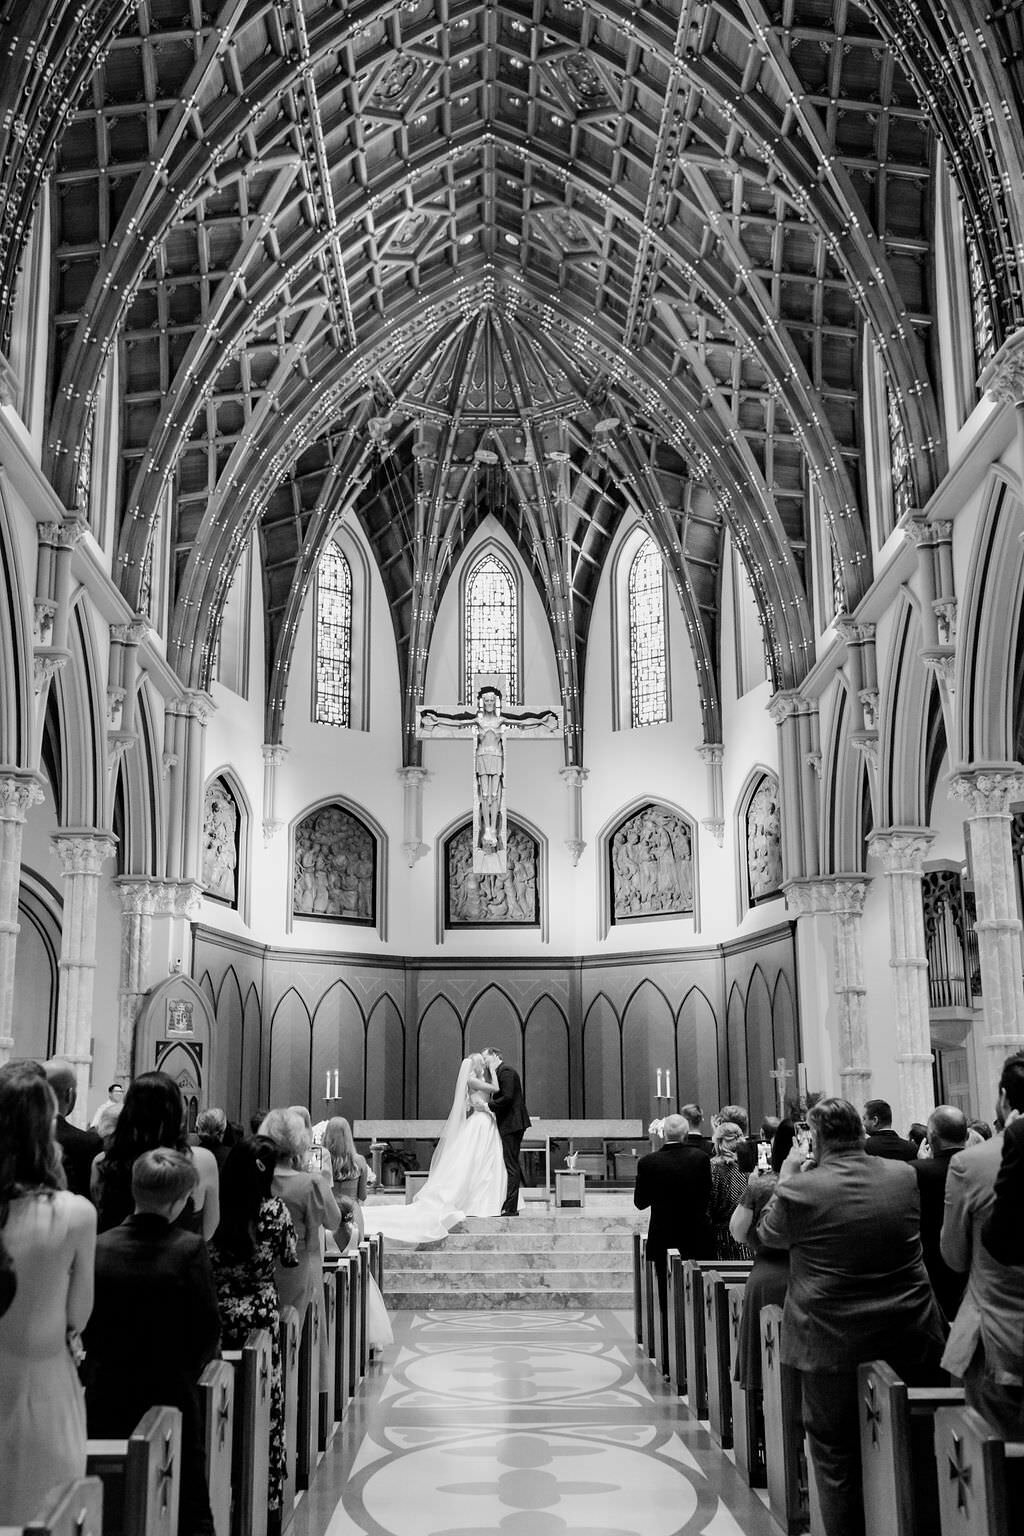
x,y
973,1463
897,1450
141,1476
217,1401
72,1509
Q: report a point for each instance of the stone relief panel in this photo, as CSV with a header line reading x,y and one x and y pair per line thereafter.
x,y
335,867
220,843
511,900
651,855
764,841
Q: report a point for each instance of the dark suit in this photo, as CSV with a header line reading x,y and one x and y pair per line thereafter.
x,y
509,1106
858,1291
675,1183
78,1149
887,1144
154,1326
1003,1232
947,1284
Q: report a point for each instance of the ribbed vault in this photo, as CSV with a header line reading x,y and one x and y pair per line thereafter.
x,y
555,261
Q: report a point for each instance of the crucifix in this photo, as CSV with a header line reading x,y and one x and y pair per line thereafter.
x,y
780,1074
488,725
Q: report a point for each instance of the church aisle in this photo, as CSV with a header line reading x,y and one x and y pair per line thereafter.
x,y
523,1424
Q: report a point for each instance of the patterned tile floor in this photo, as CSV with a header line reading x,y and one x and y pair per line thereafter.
x,y
523,1424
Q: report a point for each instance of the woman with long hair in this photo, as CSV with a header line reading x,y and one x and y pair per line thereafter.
x,y
50,1235
728,1181
153,1115
254,1238
769,1277
349,1171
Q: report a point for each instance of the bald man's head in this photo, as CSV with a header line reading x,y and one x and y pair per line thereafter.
x,y
61,1077
675,1128
947,1127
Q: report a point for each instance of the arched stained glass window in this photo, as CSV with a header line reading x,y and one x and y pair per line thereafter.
x,y
648,665
333,701
492,624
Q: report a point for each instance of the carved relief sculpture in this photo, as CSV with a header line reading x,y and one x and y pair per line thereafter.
x,y
500,900
220,843
764,840
335,867
652,865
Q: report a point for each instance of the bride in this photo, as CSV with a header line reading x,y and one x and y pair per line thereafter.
x,y
467,1171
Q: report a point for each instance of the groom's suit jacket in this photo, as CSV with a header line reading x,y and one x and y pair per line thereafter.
x,y
509,1104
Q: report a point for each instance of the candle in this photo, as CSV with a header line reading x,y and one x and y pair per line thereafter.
x,y
657,1090
668,1083
327,1090
802,1079
337,1082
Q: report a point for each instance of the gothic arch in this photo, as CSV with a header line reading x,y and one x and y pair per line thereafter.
x,y
634,537
439,1050
603,848
490,542
81,711
648,1018
759,775
289,1058
385,1044
602,1057
338,1043
377,832
16,697
905,685
699,1050
457,824
546,1059
843,780
228,775
990,615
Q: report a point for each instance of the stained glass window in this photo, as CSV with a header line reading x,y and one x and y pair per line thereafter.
x,y
492,624
648,672
333,704
899,458
981,309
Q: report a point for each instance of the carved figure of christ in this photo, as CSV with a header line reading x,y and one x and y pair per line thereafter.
x,y
488,726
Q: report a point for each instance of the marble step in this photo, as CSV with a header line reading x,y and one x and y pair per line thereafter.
x,y
511,1298
479,1259
517,1243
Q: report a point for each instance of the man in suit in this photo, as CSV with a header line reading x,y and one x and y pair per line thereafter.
x,y
1003,1232
858,1291
154,1324
78,1147
882,1139
694,1117
984,1347
674,1183
946,1134
509,1107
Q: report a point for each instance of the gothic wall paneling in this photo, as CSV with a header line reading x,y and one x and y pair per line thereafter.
x,y
290,1079
602,1060
438,1054
252,1056
784,1023
546,1061
648,1042
385,1062
761,1046
493,1020
736,1041
699,1054
230,1012
339,1045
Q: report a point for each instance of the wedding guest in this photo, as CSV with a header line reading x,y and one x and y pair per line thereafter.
x,y
113,1100
1003,1232
769,1275
981,1128
310,1202
8,1279
674,1183
917,1136
946,1135
77,1146
728,1181
694,1117
211,1131
882,1140
349,1173
155,1323
746,1152
50,1235
153,1115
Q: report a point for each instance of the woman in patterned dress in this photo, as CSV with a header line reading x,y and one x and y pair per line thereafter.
x,y
728,1181
255,1234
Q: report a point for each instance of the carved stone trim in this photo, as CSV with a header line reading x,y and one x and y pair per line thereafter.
x,y
412,851
902,850
18,794
1003,379
139,895
574,777
716,826
941,659
44,611
130,634
274,754
575,846
83,852
45,666
838,895
61,535
988,789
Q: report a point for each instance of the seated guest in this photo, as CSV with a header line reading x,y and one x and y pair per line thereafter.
x,y
746,1152
254,1241
1003,1232
155,1324
882,1140
78,1147
694,1117
50,1237
728,1181
153,1115
858,1291
946,1134
769,1277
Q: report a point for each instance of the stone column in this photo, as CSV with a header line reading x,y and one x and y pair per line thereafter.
x,y
988,790
412,781
18,793
273,756
574,779
82,854
139,896
840,897
712,754
902,851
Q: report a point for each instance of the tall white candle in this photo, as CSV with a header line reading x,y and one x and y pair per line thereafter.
x,y
657,1090
668,1082
801,1078
337,1082
327,1089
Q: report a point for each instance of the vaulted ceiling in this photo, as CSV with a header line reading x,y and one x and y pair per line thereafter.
x,y
557,261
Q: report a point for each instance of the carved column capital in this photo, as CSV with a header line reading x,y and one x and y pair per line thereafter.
x,y
18,794
83,851
130,634
988,788
574,777
413,775
274,754
64,534
784,705
1003,379
712,753
902,850
839,895
139,895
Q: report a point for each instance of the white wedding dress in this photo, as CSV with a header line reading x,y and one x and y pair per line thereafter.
x,y
467,1176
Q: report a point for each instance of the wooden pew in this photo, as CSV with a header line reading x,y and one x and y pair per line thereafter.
x,y
675,1323
141,1476
289,1337
718,1288
328,1362
338,1266
650,1308
253,1365
309,1392
364,1343
975,1465
72,1509
217,1405
786,1462
897,1444
355,1328
639,1243
693,1325
747,1407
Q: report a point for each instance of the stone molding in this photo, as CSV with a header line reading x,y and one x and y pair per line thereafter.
x,y
902,850
18,794
83,852
989,789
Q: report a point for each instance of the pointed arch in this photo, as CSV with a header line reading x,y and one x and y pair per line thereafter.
x,y
215,860
679,871
764,883
602,1058
699,1055
385,1060
902,728
491,619
289,1063
339,1044
987,627
493,1018
439,1050
761,1052
546,1059
296,893
83,729
648,1042
737,1076
17,698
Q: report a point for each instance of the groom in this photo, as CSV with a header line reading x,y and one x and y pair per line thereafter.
x,y
513,1119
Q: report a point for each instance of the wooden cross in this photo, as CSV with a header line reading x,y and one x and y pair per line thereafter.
x,y
780,1074
488,725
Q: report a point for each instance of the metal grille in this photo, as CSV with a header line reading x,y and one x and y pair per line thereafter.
x,y
648,671
982,323
899,458
492,625
333,705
